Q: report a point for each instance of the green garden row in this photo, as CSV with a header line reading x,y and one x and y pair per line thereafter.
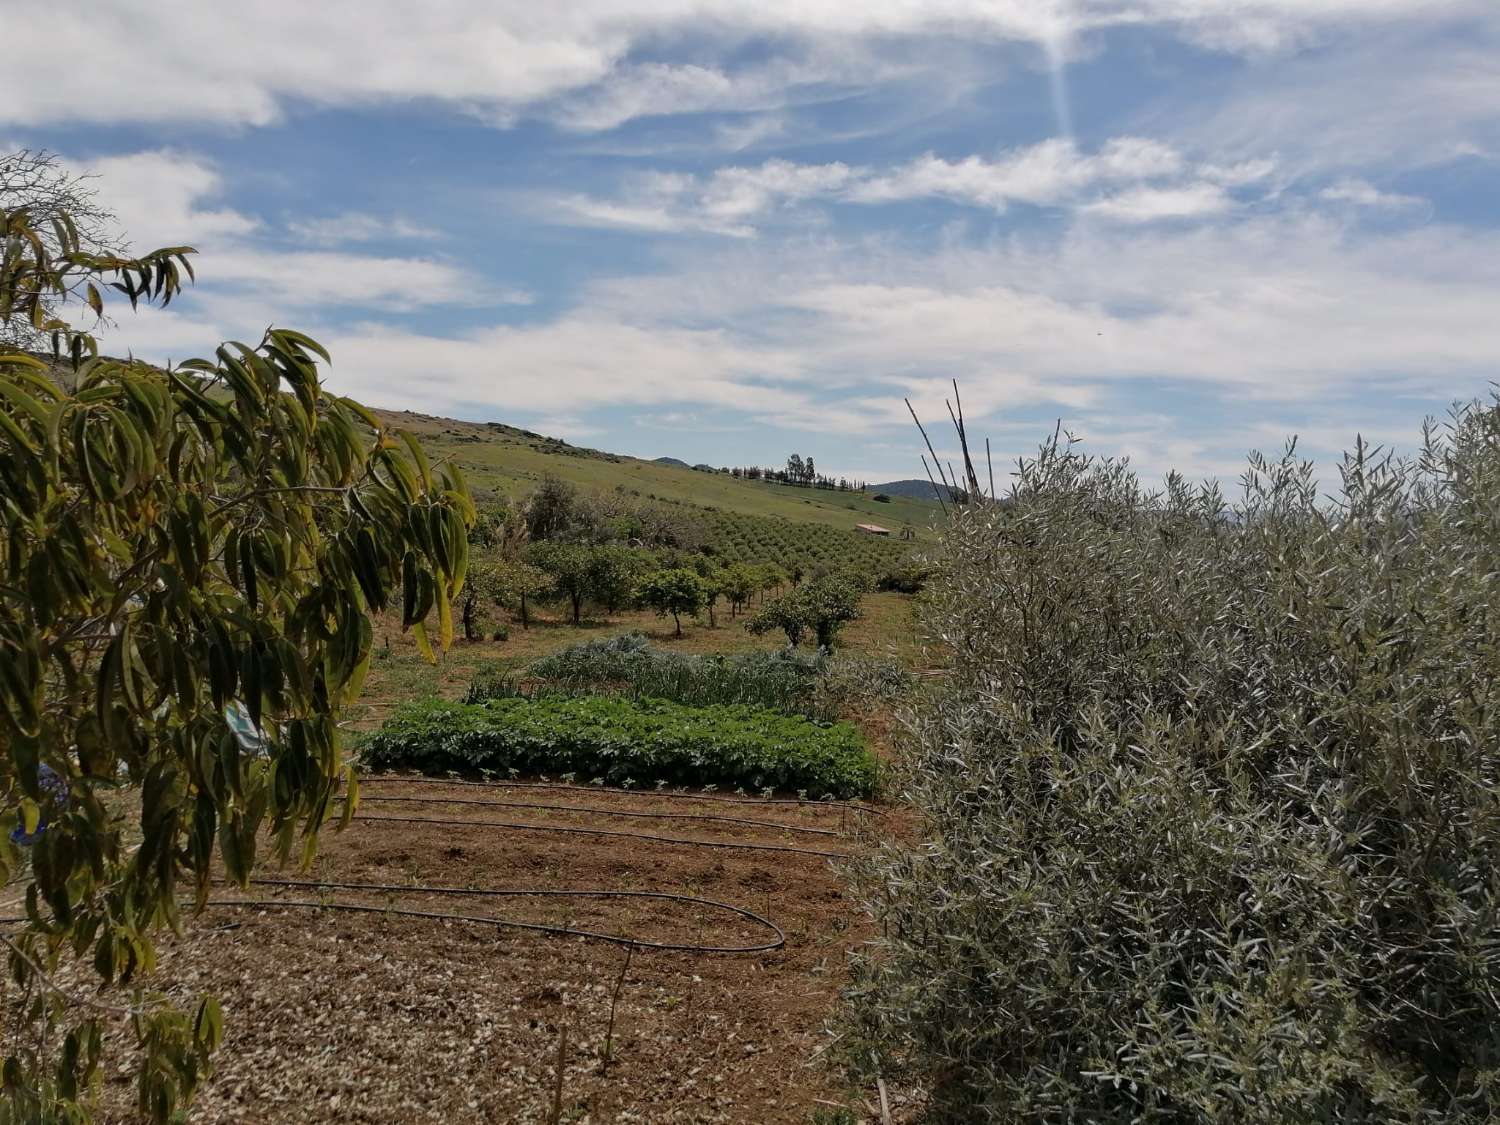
x,y
617,740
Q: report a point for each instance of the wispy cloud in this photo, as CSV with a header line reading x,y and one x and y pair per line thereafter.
x,y
1112,182
586,64
1145,205
1362,193
356,226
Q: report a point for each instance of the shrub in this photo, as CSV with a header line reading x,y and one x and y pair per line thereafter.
x,y
822,606
909,577
615,739
1209,805
783,681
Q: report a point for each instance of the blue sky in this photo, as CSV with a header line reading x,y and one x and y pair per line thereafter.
x,y
1186,228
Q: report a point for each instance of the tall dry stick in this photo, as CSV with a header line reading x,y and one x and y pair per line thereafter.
x,y
614,1000
935,490
963,440
557,1084
885,1101
923,430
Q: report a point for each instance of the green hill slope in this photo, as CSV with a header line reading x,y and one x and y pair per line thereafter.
x,y
503,460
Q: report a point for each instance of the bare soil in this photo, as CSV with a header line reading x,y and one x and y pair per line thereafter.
x,y
334,1015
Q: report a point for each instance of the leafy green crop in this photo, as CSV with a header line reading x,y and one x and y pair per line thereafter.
x,y
618,739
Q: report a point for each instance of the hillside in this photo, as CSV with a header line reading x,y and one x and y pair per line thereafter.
x,y
503,460
911,489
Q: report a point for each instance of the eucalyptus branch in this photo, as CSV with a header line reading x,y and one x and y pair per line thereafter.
x,y
72,998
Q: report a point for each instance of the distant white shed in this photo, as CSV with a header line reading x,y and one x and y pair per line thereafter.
x,y
872,529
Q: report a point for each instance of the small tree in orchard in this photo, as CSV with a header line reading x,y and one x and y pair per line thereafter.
x,y
675,591
740,585
827,605
821,606
769,578
567,565
484,589
521,583
711,577
180,547
781,613
613,573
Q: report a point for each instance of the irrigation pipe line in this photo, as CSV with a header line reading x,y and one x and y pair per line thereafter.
x,y
850,806
481,920
578,831
365,798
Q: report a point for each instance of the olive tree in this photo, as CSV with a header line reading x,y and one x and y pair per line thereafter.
x,y
182,550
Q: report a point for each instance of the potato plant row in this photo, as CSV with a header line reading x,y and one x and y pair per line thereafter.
x,y
618,740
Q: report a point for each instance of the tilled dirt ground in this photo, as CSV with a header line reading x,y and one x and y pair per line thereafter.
x,y
377,1016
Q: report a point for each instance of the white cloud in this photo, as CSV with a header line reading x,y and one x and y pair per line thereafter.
x,y
158,198
587,61
735,193
1240,174
723,203
1048,173
355,226
298,279
1140,178
661,215
1362,193
1144,205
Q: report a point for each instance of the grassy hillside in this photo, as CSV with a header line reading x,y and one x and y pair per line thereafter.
x,y
502,459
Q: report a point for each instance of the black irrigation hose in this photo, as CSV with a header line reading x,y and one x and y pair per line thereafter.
x,y
577,831
365,798
538,927
849,806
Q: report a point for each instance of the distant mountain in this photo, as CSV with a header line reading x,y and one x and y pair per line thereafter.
x,y
912,489
672,461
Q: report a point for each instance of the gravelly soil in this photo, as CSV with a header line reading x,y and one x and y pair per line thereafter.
x,y
336,1016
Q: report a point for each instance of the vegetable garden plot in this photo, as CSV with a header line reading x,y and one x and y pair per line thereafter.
x,y
627,742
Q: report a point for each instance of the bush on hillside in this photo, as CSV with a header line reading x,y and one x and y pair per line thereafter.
x,y
643,741
1210,807
909,577
822,607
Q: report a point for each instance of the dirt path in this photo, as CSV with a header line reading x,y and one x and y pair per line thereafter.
x,y
376,1017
